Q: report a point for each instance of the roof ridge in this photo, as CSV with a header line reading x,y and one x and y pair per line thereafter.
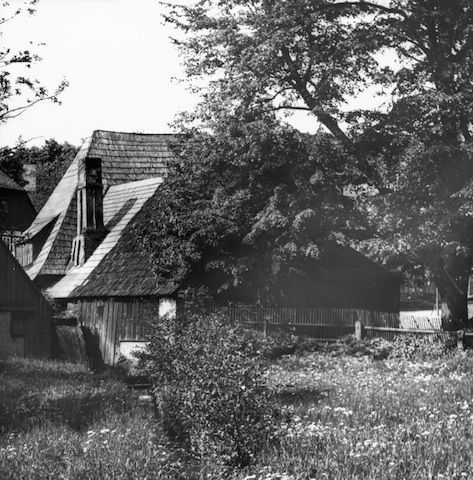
x,y
131,133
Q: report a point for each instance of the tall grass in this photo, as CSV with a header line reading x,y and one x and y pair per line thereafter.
x,y
355,418
60,421
348,418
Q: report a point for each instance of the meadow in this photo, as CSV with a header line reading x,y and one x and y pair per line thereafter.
x,y
346,417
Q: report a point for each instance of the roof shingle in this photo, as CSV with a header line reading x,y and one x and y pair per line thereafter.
x,y
125,158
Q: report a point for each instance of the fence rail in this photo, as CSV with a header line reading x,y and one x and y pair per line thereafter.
x,y
327,325
306,320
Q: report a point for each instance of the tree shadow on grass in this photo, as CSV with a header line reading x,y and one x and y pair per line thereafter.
x,y
76,411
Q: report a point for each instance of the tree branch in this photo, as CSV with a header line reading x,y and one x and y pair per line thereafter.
x,y
363,4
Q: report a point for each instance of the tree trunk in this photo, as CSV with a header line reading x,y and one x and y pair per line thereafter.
x,y
451,275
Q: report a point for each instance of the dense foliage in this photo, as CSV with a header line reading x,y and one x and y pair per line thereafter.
x,y
241,203
209,388
50,163
412,148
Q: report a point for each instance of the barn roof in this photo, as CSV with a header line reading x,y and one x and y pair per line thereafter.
x,y
121,205
7,182
342,263
125,157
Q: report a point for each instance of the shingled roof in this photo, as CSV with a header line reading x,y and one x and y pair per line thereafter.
x,y
342,263
125,157
127,270
128,157
107,272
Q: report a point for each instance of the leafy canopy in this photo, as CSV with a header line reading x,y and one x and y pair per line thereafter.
x,y
248,196
412,151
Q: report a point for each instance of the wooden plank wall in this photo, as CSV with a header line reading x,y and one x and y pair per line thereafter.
x,y
19,294
117,319
125,319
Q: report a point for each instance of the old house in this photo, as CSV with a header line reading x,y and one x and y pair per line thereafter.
x,y
78,235
83,248
16,211
25,315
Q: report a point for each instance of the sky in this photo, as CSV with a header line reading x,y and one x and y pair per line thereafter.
x,y
121,65
118,59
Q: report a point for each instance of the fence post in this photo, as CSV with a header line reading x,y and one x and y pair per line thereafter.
x,y
262,316
460,338
358,330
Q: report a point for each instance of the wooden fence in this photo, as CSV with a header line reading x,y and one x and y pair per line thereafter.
x,y
409,320
328,324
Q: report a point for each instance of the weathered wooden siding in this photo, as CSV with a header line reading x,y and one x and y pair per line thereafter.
x,y
323,323
314,316
30,312
117,319
121,319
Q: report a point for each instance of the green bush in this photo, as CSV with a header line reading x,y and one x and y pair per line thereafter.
x,y
209,388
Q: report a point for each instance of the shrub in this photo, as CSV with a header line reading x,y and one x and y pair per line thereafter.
x,y
208,387
377,348
421,347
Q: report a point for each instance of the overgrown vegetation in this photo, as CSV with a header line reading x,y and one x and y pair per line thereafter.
x,y
208,384
345,415
59,420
